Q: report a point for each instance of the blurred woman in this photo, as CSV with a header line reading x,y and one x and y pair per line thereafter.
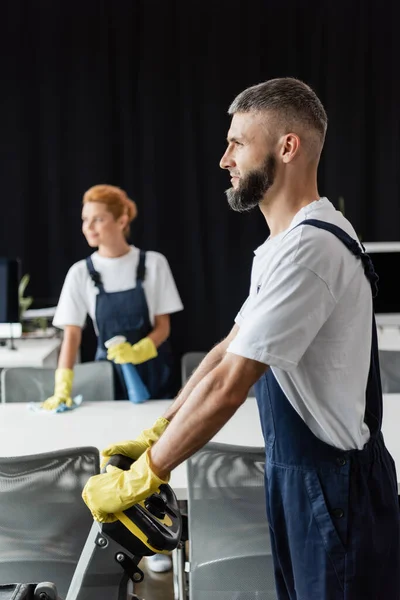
x,y
126,291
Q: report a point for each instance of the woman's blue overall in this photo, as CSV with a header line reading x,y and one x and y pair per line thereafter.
x,y
126,313
333,514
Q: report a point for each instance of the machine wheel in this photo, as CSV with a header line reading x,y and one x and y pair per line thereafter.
x,y
46,590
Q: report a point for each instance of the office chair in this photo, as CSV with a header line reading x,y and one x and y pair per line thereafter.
x,y
94,380
229,544
389,361
44,522
189,363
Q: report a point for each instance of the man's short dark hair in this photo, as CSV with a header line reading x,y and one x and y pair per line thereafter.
x,y
292,101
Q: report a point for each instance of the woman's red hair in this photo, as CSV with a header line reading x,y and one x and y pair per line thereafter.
x,y
116,200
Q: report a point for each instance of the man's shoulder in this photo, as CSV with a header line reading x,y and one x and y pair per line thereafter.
x,y
309,242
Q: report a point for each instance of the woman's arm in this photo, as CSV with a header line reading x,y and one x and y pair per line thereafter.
x,y
70,346
161,329
64,374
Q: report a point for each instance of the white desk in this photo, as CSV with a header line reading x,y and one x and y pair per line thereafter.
x,y
100,423
31,352
389,337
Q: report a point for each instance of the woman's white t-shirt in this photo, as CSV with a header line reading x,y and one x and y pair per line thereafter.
x,y
78,295
309,317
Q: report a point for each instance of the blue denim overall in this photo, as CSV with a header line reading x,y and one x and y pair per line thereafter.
x,y
126,313
333,514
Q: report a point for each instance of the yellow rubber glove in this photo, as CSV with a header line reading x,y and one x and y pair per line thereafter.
x,y
114,492
62,389
136,354
135,448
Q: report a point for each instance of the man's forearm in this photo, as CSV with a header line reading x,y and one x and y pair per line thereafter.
x,y
210,361
206,411
210,405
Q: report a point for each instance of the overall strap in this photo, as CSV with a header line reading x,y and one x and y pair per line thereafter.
x,y
141,268
373,405
94,275
353,246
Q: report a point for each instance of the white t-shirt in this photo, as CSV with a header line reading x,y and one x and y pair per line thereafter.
x,y
78,295
309,316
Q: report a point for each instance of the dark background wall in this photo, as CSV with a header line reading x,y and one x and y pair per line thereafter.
x,y
135,93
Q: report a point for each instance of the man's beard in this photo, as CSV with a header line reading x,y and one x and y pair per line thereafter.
x,y
253,187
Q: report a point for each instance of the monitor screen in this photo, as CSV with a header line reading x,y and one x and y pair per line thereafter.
x,y
9,281
386,259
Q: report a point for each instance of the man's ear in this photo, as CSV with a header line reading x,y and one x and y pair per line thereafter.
x,y
289,147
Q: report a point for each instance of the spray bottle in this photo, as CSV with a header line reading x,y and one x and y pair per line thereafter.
x,y
137,391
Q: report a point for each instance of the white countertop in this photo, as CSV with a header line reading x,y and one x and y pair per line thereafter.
x,y
389,337
100,423
30,352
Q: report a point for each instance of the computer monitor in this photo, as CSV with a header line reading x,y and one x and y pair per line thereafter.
x,y
9,281
386,259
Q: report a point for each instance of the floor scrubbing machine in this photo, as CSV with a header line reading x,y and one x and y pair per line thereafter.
x,y
108,567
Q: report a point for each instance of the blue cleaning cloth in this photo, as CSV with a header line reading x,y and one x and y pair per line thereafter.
x,y
36,406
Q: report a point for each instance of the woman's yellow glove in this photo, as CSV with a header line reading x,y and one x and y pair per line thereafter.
x,y
135,448
115,491
135,354
62,390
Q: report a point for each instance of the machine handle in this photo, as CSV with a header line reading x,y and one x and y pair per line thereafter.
x,y
156,524
118,460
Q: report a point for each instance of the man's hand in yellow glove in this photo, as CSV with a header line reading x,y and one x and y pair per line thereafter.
x,y
116,491
135,448
136,354
62,390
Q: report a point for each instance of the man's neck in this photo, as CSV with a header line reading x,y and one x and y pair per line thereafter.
x,y
279,208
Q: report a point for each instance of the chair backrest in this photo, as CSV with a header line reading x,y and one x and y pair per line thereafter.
x,y
94,380
230,550
189,362
389,361
43,519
